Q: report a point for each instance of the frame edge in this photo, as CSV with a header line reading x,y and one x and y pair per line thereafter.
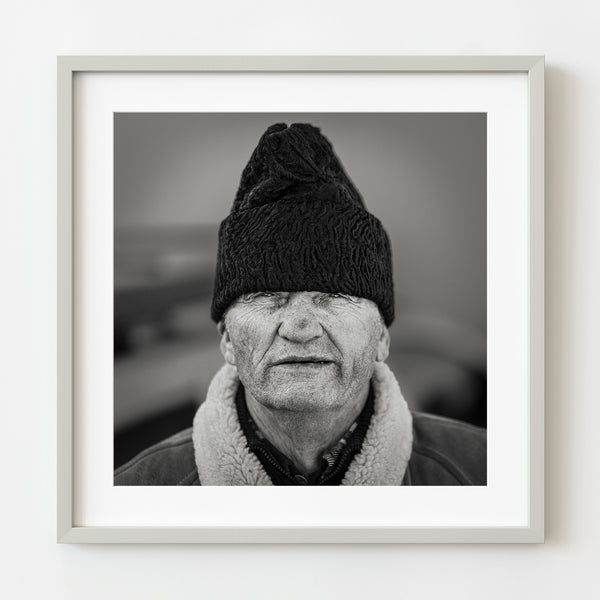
x,y
536,298
356,63
299,535
64,428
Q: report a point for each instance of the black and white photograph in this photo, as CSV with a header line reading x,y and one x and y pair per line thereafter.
x,y
300,299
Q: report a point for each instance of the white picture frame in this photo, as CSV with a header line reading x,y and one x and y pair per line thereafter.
x,y
72,399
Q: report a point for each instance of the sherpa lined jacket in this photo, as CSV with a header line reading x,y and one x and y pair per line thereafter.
x,y
400,447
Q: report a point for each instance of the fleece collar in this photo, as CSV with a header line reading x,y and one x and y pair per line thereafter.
x,y
223,458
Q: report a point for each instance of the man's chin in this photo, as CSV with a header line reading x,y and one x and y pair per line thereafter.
x,y
301,396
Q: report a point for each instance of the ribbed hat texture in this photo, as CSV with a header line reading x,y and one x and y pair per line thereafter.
x,y
299,224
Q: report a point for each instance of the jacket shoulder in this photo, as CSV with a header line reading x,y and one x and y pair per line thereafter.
x,y
170,462
447,452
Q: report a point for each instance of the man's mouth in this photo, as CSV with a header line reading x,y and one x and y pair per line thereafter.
x,y
303,361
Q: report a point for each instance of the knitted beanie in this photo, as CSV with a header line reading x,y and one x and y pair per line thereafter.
x,y
299,224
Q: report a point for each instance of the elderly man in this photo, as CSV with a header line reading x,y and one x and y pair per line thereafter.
x,y
303,298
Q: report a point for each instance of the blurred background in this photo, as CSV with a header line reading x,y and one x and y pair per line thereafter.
x,y
175,176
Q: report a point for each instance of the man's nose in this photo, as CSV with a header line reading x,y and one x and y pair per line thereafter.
x,y
299,322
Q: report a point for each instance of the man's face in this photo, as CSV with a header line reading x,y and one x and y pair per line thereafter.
x,y
304,350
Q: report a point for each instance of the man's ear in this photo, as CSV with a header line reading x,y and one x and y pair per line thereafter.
x,y
383,345
226,345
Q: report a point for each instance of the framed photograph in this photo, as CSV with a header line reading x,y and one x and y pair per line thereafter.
x,y
301,299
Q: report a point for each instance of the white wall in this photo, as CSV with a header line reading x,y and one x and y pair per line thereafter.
x,y
33,32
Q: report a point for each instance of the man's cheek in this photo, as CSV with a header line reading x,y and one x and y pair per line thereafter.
x,y
244,349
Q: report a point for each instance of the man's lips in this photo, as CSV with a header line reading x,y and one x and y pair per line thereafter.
x,y
302,360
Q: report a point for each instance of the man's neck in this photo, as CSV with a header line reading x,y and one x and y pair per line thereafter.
x,y
304,436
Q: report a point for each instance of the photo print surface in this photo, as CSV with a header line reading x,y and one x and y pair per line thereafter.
x,y
346,290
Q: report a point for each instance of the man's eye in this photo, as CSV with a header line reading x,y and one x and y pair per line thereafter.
x,y
267,296
338,297
325,297
257,296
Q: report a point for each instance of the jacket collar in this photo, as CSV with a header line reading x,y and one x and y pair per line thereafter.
x,y
223,458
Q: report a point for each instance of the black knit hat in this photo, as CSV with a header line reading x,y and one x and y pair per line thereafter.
x,y
299,224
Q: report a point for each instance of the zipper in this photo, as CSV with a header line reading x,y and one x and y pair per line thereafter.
x,y
267,455
341,461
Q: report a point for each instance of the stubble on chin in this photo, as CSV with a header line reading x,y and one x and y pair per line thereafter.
x,y
300,394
